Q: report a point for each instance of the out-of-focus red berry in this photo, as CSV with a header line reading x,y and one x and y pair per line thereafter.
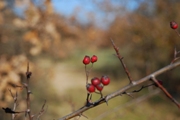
x,y
90,88
86,60
105,80
94,58
99,87
95,81
173,25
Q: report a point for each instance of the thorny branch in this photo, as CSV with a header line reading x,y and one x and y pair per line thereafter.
x,y
122,90
166,92
121,60
42,110
28,92
12,111
15,103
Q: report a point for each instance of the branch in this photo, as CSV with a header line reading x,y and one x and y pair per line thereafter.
x,y
15,103
166,92
121,60
42,110
120,91
28,92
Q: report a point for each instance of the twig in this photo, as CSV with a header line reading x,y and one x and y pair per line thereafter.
x,y
15,103
134,91
175,56
42,110
120,91
88,72
121,60
177,32
28,92
165,92
12,111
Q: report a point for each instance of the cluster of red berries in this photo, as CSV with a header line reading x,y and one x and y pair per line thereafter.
x,y
87,59
97,83
173,25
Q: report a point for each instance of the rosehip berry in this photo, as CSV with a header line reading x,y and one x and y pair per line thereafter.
x,y
160,82
173,25
90,88
99,87
95,81
86,60
105,80
94,58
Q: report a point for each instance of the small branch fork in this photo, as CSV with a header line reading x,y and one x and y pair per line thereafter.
x,y
89,104
121,60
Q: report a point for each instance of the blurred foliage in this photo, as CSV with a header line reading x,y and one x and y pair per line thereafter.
x,y
143,35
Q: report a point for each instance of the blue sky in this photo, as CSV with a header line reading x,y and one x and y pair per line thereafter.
x,y
82,7
69,7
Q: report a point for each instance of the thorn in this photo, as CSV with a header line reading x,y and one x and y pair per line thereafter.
x,y
175,52
106,101
25,84
84,116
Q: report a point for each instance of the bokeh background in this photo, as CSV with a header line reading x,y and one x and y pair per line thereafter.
x,y
55,35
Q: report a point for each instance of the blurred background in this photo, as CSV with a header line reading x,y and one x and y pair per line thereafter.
x,y
55,35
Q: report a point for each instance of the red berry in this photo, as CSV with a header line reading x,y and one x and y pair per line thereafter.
x,y
90,88
105,80
99,87
86,60
160,82
94,58
95,81
173,25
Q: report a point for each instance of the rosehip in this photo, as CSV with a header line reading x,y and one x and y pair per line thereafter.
x,y
95,81
160,82
94,58
173,25
86,60
90,88
105,80
99,87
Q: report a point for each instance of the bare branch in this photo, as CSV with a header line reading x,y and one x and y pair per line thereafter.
x,y
42,110
15,103
28,92
121,60
165,91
